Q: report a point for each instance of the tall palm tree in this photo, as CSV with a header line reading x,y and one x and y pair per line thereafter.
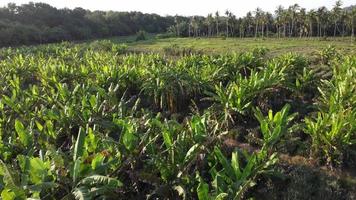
x,y
263,21
249,21
227,13
351,22
233,23
311,16
322,15
319,18
343,19
209,22
190,25
302,19
269,21
242,27
257,19
195,26
285,20
293,13
278,21
336,14
176,21
217,22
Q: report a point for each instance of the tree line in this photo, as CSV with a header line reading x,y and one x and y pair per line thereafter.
x,y
36,23
293,21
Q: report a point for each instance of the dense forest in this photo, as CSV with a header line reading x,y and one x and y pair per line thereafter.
x,y
35,23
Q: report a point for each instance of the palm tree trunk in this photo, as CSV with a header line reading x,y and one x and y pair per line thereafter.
x,y
189,31
256,29
277,27
318,29
291,28
343,30
352,33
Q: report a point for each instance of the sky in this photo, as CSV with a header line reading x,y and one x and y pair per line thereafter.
x,y
183,7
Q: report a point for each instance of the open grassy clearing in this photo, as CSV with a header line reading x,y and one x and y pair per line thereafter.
x,y
229,45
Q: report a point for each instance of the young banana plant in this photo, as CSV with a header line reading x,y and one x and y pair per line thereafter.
x,y
231,179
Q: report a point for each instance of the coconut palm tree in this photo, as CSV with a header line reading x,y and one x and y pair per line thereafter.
x,y
278,20
249,22
336,14
311,16
217,18
323,20
242,27
319,19
293,13
285,22
302,19
263,21
269,21
351,22
233,24
190,26
343,19
228,16
257,20
209,22
176,21
194,26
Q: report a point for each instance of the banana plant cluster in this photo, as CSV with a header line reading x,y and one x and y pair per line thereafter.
x,y
232,178
84,121
332,127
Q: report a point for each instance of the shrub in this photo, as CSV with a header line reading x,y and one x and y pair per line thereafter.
x,y
107,45
165,35
141,35
175,50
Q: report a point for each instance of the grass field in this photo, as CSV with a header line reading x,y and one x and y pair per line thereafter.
x,y
219,45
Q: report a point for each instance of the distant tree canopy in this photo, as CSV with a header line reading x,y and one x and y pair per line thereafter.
x,y
293,21
36,23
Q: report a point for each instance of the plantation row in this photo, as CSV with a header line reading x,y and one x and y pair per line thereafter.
x,y
88,122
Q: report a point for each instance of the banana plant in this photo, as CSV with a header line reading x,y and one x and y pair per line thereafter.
x,y
231,179
332,128
237,97
273,127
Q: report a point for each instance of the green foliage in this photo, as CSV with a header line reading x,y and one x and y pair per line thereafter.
x,y
165,35
96,186
107,45
333,127
274,126
83,121
232,178
237,96
141,35
176,50
327,55
38,23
